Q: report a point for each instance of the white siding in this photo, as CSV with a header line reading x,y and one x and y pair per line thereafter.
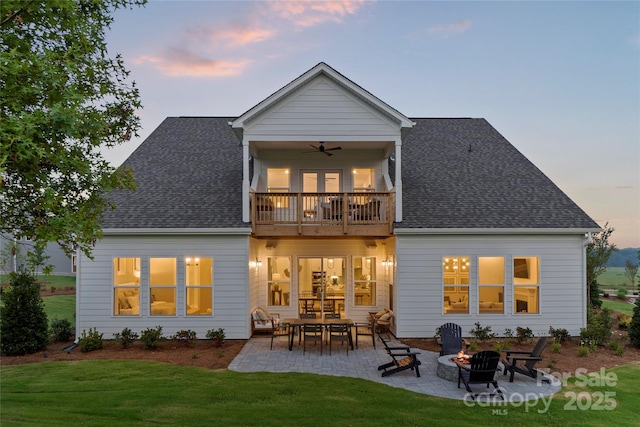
x,y
324,111
419,292
230,285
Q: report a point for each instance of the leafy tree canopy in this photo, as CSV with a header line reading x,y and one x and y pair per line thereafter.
x,y
63,97
598,252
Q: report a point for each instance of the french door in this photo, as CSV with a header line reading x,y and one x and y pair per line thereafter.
x,y
318,181
321,285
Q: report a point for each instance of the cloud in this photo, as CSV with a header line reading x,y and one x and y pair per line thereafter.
x,y
311,13
235,35
450,29
180,62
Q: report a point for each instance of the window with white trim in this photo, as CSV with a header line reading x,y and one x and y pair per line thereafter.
x,y
199,286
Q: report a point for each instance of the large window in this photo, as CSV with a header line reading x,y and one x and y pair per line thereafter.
x,y
364,275
162,286
455,279
490,285
526,282
199,286
126,286
279,280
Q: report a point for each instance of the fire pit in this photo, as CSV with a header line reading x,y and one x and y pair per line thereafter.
x,y
447,368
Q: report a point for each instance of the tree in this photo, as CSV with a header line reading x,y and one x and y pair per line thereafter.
x,y
634,327
63,98
631,271
23,321
598,252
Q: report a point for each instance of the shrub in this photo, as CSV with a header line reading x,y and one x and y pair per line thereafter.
x,y
508,333
622,293
53,289
23,322
583,351
61,330
598,330
126,337
473,347
524,335
555,347
216,335
185,337
634,326
617,347
91,341
624,320
151,337
559,335
482,334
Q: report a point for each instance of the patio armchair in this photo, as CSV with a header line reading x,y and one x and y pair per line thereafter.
x,y
367,329
451,341
480,370
523,362
263,321
402,358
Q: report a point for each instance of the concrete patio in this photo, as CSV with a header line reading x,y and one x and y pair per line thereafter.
x,y
363,363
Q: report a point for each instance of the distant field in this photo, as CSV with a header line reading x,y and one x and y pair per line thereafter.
x,y
618,305
613,278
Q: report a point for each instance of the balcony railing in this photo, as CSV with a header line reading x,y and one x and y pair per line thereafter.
x,y
322,213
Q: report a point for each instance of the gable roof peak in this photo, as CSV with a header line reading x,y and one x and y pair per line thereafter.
x,y
322,68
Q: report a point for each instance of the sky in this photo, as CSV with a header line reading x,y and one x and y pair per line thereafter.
x,y
559,80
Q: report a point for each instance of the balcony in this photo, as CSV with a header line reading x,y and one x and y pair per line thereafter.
x,y
322,214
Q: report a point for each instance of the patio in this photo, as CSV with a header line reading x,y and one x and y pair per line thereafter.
x,y
363,362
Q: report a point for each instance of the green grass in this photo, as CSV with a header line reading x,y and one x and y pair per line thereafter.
x,y
138,393
617,305
60,306
613,278
48,281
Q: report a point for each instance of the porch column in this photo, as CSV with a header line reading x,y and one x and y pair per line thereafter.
x,y
398,152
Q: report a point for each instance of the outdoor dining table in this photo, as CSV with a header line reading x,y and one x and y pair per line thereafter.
x,y
295,323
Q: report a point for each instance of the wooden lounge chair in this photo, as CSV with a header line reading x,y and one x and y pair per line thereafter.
x,y
451,341
481,370
402,359
523,362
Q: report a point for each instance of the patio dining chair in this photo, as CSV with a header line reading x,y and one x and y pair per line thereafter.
x,y
279,330
312,333
523,362
339,333
481,370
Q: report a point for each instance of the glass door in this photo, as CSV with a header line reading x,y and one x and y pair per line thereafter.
x,y
321,285
318,182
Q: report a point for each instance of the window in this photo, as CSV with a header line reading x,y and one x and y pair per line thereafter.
x,y
526,285
199,286
490,285
364,275
278,271
162,286
278,182
455,271
126,286
363,180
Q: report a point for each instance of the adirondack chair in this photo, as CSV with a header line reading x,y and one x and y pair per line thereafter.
x,y
451,341
402,359
481,370
523,362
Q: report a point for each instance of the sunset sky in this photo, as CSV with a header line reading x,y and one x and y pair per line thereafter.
x,y
560,80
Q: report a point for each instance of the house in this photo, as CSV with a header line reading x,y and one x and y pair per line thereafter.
x,y
55,256
323,197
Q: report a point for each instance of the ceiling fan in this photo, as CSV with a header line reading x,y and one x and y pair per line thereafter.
x,y
321,149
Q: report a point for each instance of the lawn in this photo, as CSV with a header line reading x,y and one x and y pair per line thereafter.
x,y
60,306
613,279
97,393
59,281
618,305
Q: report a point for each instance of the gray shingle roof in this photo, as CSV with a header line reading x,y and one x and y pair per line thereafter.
x,y
457,173
188,174
461,173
